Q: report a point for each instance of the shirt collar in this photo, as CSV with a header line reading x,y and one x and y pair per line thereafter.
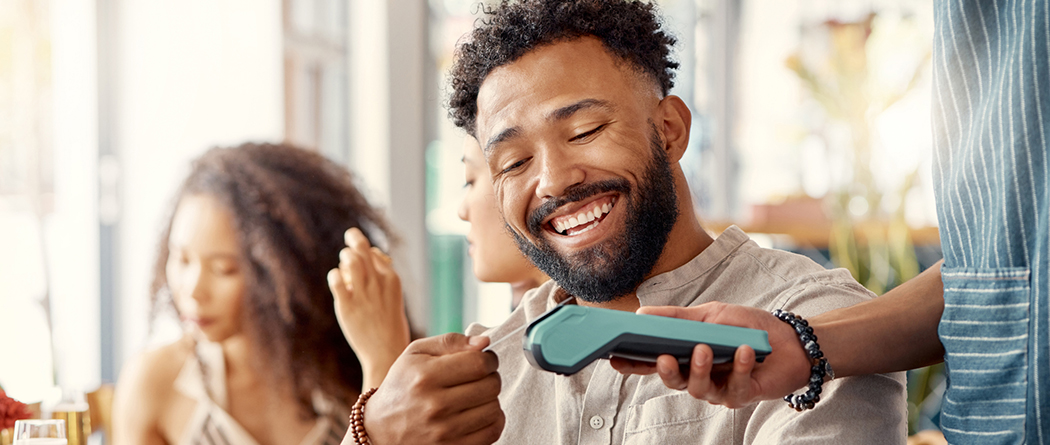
x,y
659,290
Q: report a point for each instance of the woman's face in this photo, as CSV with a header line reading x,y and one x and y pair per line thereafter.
x,y
496,257
203,268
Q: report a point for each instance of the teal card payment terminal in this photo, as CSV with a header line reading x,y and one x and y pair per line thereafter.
x,y
569,337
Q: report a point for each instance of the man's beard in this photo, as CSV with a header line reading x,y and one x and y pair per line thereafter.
x,y
616,266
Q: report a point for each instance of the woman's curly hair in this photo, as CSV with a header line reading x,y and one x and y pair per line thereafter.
x,y
630,29
290,208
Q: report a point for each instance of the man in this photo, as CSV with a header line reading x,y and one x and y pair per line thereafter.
x,y
986,311
569,102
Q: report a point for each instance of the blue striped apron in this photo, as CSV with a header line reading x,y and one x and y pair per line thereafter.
x,y
991,116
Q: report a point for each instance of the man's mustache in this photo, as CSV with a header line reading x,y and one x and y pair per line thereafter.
x,y
578,192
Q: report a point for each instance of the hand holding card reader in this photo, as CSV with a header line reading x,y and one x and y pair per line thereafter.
x,y
569,337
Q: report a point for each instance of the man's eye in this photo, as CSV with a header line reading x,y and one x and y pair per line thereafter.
x,y
468,184
587,134
514,166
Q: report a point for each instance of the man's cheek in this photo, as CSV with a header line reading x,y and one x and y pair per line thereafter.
x,y
513,211
515,222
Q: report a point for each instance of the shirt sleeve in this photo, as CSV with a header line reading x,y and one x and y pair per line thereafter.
x,y
869,409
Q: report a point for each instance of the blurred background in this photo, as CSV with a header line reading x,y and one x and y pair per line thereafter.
x,y
811,132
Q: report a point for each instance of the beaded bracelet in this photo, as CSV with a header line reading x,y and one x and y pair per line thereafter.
x,y
819,369
357,419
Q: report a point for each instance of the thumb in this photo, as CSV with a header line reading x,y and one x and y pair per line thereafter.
x,y
697,313
667,311
446,344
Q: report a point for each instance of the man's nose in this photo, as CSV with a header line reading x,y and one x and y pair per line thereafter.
x,y
558,171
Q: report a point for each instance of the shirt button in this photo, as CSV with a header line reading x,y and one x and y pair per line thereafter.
x,y
597,422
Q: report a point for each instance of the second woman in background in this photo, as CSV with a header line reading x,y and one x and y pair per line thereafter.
x,y
364,273
496,257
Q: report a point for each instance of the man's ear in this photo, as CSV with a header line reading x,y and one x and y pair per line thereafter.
x,y
676,120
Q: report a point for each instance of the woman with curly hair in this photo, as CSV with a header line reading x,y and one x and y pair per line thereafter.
x,y
255,229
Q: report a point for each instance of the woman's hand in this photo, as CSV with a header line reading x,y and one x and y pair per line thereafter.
x,y
369,306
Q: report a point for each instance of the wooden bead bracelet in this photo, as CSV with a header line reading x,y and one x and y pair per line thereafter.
x,y
357,418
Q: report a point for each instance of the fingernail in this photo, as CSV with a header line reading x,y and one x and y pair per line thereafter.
x,y
699,359
476,340
663,371
350,235
332,276
744,359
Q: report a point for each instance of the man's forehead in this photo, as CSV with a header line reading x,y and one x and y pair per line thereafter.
x,y
548,82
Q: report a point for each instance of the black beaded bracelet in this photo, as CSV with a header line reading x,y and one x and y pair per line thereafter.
x,y
819,369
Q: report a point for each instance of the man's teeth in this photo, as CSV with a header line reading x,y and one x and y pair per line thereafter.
x,y
584,217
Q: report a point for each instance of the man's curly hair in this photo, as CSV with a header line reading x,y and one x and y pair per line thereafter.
x,y
630,29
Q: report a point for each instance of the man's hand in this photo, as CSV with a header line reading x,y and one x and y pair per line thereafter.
x,y
442,390
369,306
784,370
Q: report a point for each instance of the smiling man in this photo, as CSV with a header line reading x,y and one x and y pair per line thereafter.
x,y
569,100
582,168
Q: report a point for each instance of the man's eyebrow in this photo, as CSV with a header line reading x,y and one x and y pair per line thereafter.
x,y
556,115
569,110
502,136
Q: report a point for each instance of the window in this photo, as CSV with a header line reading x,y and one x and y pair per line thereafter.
x,y
316,85
26,198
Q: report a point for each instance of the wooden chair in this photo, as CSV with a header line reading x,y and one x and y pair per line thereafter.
x,y
100,409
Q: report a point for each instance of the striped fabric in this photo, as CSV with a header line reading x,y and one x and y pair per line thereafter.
x,y
991,115
211,433
203,379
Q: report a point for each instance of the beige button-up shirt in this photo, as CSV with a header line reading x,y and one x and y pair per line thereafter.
x,y
600,406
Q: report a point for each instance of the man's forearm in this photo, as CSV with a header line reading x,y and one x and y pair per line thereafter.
x,y
894,332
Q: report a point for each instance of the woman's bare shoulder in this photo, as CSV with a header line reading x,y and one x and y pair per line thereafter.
x,y
156,369
147,380
145,390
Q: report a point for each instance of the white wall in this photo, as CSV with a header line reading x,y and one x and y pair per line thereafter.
x,y
191,74
72,230
388,113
